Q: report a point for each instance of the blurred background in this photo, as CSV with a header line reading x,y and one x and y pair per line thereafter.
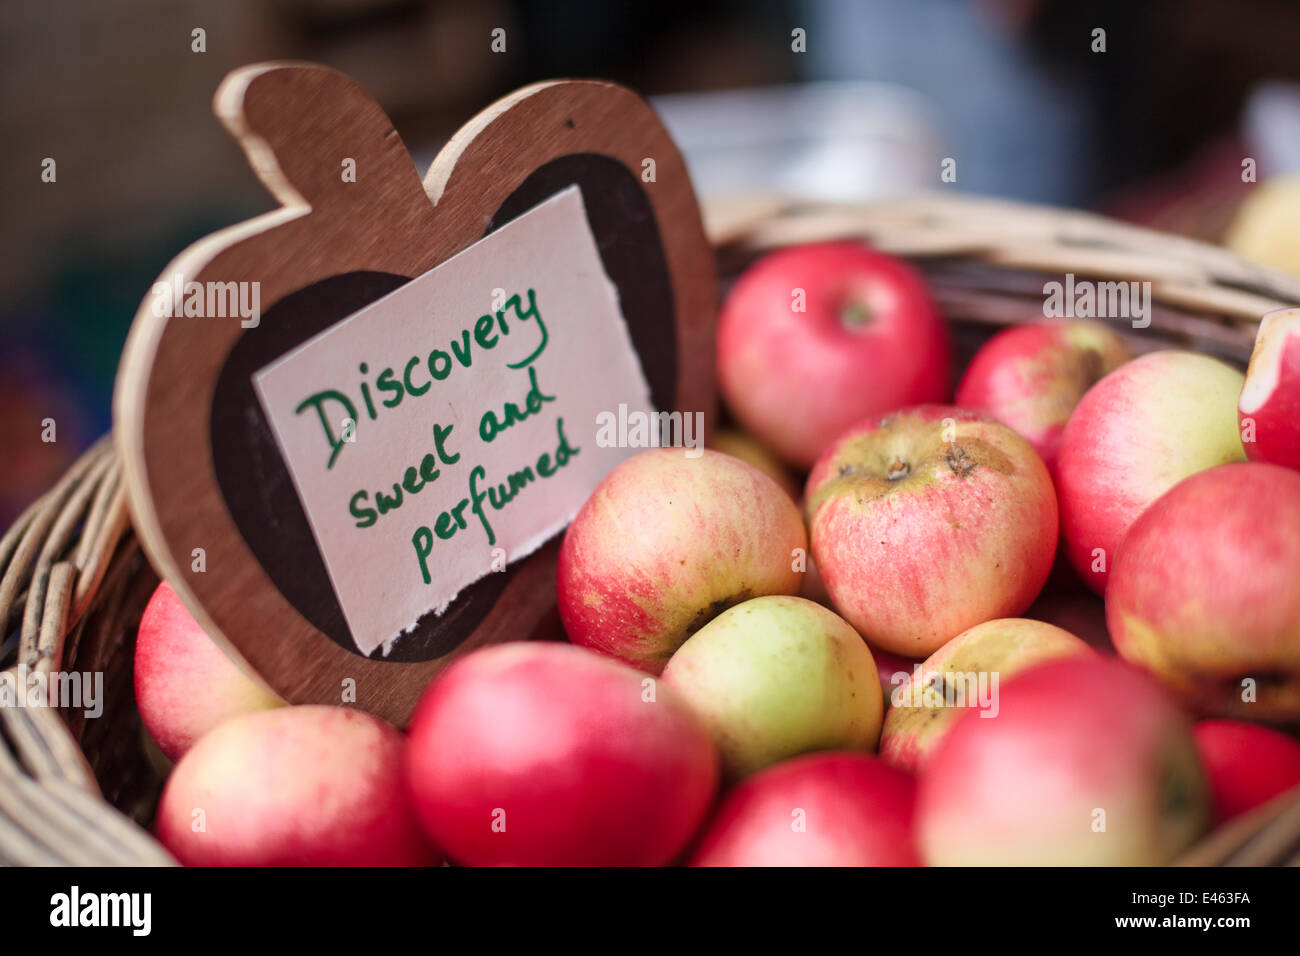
x,y
1149,120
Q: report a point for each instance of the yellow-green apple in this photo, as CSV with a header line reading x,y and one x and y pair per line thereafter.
x,y
739,444
814,338
1204,592
1088,763
294,786
1268,410
1134,435
1030,377
548,754
1248,765
827,809
775,677
666,543
929,521
966,673
184,683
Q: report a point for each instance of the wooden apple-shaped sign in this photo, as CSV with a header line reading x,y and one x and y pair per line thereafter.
x,y
354,428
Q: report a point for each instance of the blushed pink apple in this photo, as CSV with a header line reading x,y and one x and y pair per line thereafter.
x,y
294,786
826,809
548,754
1088,763
1205,595
1268,410
666,543
1030,377
966,673
814,338
184,683
1134,435
930,521
1248,765
776,677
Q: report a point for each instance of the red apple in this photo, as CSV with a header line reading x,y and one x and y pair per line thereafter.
x,y
814,338
1137,433
930,521
965,673
1248,765
1269,408
826,809
184,683
1205,593
1088,763
548,754
666,543
1030,377
294,786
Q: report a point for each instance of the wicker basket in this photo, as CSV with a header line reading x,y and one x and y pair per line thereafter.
x,y
74,581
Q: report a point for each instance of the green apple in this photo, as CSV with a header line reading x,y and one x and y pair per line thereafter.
x,y
779,676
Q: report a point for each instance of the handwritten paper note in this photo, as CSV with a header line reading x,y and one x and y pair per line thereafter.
x,y
448,428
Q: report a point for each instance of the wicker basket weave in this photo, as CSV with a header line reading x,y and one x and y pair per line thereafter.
x,y
73,580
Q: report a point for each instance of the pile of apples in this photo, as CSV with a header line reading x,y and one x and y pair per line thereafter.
x,y
754,680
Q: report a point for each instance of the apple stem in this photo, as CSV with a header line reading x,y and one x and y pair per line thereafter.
x,y
898,469
855,313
